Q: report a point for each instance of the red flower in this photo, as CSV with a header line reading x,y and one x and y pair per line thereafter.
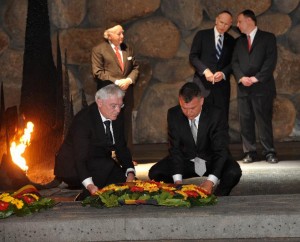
x,y
136,189
28,199
3,206
203,190
191,193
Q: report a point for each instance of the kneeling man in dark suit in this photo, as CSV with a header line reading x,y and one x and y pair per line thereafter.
x,y
95,133
198,145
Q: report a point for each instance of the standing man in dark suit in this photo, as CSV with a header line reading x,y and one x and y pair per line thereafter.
x,y
210,55
198,145
254,61
95,132
114,61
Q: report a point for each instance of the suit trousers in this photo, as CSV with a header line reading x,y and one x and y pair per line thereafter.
x,y
230,176
256,110
219,96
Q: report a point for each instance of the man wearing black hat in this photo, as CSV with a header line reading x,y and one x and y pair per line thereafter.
x,y
198,137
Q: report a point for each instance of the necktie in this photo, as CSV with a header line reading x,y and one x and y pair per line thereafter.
x,y
200,166
108,132
119,58
219,47
249,42
194,129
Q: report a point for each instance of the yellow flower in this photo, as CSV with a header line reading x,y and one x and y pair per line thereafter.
x,y
195,188
151,187
185,196
7,199
3,195
111,187
19,203
168,188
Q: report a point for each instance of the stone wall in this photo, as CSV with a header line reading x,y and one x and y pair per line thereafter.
x,y
161,32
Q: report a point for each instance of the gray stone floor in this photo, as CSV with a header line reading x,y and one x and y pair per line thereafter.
x,y
233,217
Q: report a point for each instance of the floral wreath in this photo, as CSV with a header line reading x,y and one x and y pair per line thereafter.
x,y
26,200
150,192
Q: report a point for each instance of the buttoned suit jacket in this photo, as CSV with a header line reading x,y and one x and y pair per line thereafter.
x,y
85,151
259,62
105,64
203,56
212,139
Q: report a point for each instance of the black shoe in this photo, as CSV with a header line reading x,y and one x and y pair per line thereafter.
x,y
271,158
249,158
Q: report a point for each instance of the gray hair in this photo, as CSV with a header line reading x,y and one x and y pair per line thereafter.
x,y
110,30
109,91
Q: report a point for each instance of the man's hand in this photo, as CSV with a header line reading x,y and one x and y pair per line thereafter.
x,y
124,83
218,76
209,75
130,177
253,79
207,186
246,81
92,188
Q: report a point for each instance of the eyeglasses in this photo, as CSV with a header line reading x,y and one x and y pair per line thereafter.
x,y
116,106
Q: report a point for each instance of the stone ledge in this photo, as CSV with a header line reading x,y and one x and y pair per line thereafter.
x,y
269,216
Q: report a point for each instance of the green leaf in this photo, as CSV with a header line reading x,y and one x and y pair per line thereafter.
x,y
109,200
6,214
175,202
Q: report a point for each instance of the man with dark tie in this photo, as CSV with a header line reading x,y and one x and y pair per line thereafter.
x,y
96,132
198,139
253,62
210,55
114,61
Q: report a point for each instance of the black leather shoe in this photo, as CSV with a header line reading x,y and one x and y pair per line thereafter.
x,y
271,158
249,158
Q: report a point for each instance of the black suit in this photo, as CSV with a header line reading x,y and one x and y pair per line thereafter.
x,y
256,102
86,153
203,56
212,146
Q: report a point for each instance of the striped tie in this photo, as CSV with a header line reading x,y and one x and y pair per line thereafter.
x,y
219,47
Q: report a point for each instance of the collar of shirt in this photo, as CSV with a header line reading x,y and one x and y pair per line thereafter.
x,y
111,129
197,120
113,46
217,35
252,34
119,49
103,118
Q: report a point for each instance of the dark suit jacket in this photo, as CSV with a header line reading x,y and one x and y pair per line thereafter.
x,y
85,152
260,62
212,139
203,56
105,65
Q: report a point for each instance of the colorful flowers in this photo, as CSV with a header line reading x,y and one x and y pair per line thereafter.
x,y
25,201
150,192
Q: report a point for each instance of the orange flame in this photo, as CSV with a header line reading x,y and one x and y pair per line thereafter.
x,y
17,150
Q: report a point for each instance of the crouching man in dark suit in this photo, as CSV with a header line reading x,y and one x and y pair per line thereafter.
x,y
198,145
97,131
